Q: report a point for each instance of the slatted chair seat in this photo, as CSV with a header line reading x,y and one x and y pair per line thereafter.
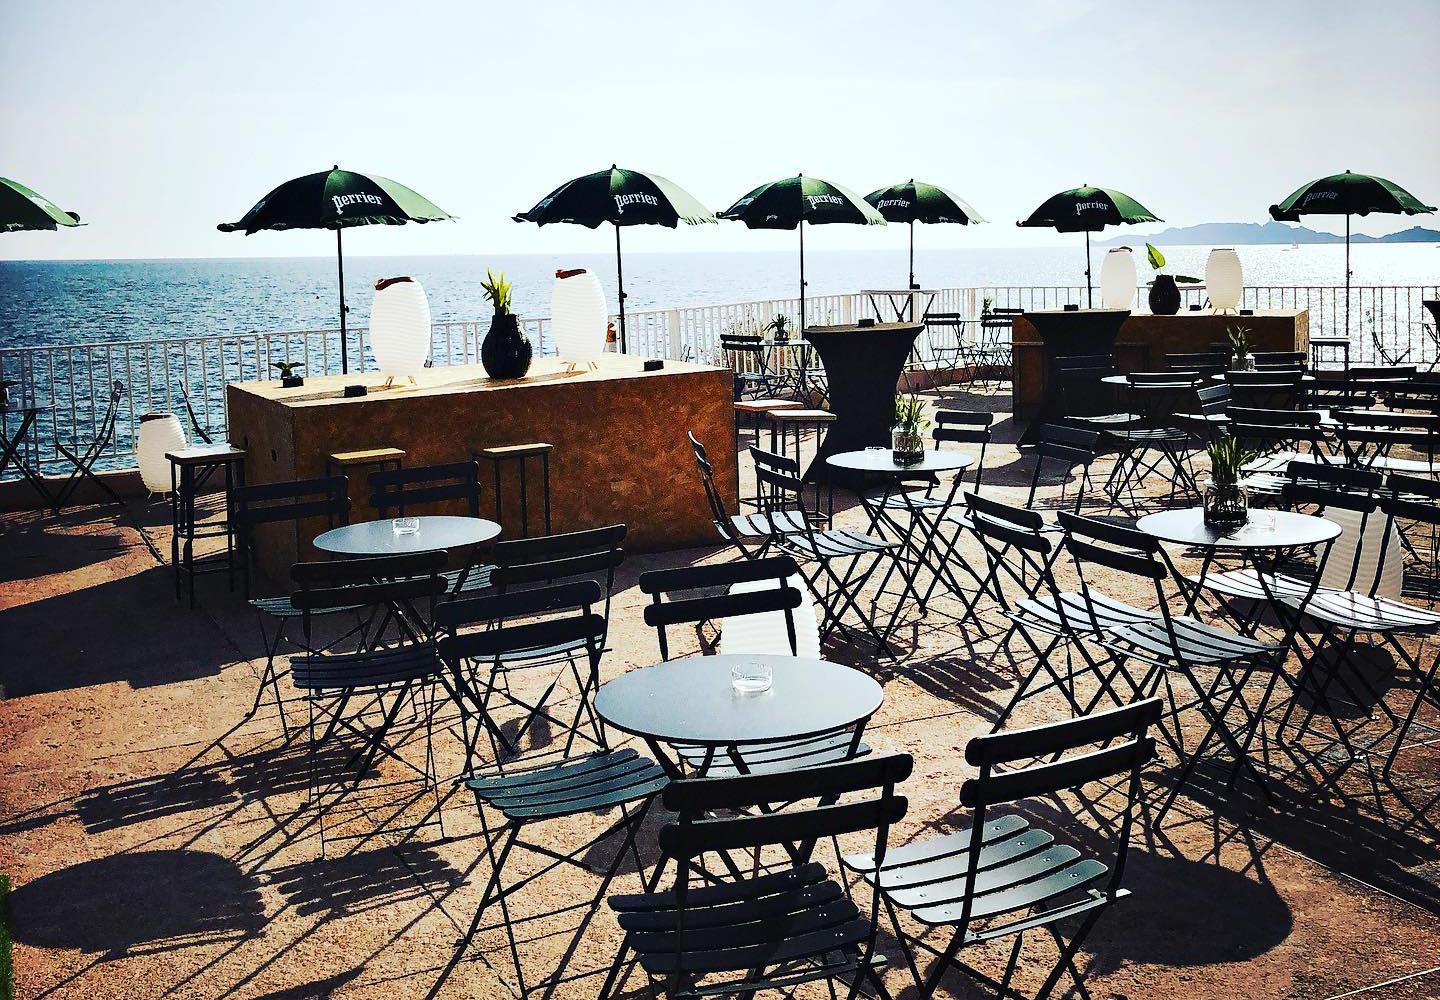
x,y
776,757
836,543
282,607
1199,643
586,784
1109,612
1246,583
369,668
476,578
762,525
1353,610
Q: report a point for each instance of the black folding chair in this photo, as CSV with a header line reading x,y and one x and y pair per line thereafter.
x,y
1204,363
742,530
1020,555
1155,399
1276,389
1367,438
785,923
288,503
945,333
1272,360
1068,448
858,553
515,627
392,491
526,563
695,595
1004,876
1279,437
749,358
1169,643
378,679
84,463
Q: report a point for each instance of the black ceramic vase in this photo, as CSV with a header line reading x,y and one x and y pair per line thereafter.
x,y
1164,296
506,350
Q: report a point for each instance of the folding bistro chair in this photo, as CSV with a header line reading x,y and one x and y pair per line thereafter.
x,y
382,679
1004,876
1357,606
393,490
784,924
1367,438
84,463
945,333
750,593
1272,360
1069,448
1279,437
1203,363
1156,399
749,358
742,530
859,553
517,626
288,503
1168,644
525,563
1020,555
1275,389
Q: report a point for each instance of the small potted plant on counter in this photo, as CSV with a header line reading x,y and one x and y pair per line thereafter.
x,y
1226,504
506,351
779,326
1239,338
1164,294
288,378
907,445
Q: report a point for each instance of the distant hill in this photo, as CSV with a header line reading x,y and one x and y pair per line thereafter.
x,y
1242,233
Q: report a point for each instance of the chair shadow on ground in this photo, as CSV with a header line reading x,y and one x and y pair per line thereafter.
x,y
342,886
319,989
139,903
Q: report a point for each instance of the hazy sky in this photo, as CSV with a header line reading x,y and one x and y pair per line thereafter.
x,y
155,120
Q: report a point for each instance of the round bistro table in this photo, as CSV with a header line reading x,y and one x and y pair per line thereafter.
x,y
691,703
378,538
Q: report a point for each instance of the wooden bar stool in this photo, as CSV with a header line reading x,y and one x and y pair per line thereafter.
x,y
190,469
518,453
341,462
796,421
758,408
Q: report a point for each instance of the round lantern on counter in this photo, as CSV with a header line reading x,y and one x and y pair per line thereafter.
x,y
1223,279
400,327
1117,279
160,433
577,317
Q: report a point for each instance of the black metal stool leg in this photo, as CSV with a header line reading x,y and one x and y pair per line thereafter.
x,y
524,503
545,467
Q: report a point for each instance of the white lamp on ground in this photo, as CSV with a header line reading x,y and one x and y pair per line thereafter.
x,y
1117,279
577,317
160,433
1223,279
400,328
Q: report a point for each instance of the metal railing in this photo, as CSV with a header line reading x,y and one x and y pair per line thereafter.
x,y
1388,325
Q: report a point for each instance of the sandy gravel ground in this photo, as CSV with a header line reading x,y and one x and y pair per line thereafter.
x,y
157,851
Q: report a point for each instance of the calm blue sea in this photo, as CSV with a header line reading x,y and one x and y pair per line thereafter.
x,y
62,302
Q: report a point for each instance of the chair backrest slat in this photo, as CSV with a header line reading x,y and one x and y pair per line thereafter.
x,y
397,489
1059,737
1045,779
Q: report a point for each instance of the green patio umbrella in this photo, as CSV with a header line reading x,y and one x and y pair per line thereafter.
x,y
913,202
620,197
794,201
22,209
337,199
1348,194
1088,209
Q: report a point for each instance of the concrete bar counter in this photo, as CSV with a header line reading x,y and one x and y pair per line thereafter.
x,y
620,451
1145,339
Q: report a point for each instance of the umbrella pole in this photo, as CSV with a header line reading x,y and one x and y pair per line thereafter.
x,y
912,254
344,339
1347,275
620,280
804,387
1089,293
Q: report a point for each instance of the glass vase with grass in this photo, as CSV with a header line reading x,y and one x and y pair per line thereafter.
x,y
906,442
1226,503
1239,338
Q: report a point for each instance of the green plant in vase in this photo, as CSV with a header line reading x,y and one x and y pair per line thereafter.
x,y
1226,503
1164,293
287,369
1239,338
906,430
506,351
779,327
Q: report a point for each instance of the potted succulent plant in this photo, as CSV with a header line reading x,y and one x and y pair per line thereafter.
x,y
1226,503
779,326
1164,293
506,351
1239,338
288,378
906,444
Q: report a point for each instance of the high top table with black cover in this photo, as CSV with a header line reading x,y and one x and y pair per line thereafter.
x,y
1069,333
863,365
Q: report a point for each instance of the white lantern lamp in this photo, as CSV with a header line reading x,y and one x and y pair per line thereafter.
x,y
577,317
1223,279
1117,279
400,328
160,433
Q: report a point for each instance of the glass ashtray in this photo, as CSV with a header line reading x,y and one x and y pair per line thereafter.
x,y
405,525
751,678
